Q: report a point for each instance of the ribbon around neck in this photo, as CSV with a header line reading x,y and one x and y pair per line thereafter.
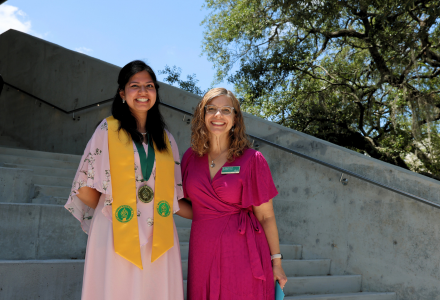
x,y
147,162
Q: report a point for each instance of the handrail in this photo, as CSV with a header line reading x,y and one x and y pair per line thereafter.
x,y
56,107
323,163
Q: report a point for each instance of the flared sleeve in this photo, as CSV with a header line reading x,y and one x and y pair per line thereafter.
x,y
178,190
185,162
258,185
93,172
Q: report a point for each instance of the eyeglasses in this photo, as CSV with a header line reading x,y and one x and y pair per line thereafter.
x,y
224,110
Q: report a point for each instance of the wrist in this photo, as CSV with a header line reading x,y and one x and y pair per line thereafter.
x,y
279,255
276,262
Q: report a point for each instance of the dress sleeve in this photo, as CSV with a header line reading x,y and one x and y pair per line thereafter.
x,y
93,172
178,190
258,185
185,161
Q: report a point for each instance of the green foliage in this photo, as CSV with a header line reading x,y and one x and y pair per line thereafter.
x,y
360,74
190,84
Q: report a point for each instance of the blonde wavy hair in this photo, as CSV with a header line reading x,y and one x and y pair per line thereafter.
x,y
200,133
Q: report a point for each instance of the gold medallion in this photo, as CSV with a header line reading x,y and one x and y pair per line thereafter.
x,y
145,194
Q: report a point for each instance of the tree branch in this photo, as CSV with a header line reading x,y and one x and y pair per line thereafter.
x,y
340,33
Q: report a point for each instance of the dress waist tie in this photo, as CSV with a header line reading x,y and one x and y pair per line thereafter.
x,y
247,223
246,228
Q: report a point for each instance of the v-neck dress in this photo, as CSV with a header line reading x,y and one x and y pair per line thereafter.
x,y
108,276
229,257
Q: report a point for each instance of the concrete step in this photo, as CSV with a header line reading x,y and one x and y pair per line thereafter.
x,y
37,231
62,279
334,284
185,268
348,296
183,234
49,200
291,251
8,142
48,171
37,161
53,180
184,247
40,154
41,279
182,222
41,231
50,190
306,267
15,185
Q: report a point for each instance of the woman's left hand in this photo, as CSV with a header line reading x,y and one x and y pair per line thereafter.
x,y
278,274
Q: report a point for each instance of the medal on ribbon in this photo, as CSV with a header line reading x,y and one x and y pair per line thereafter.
x,y
145,193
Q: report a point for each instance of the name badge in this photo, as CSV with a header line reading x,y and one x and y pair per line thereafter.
x,y
230,170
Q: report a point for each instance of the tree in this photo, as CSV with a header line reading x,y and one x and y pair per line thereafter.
x,y
173,78
360,74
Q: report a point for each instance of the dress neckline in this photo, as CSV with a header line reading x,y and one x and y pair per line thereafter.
x,y
206,163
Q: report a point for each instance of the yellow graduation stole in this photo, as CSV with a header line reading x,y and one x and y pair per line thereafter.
x,y
125,223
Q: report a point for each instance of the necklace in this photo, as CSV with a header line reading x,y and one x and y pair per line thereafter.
x,y
212,161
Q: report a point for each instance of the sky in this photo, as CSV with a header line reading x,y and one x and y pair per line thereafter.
x,y
159,32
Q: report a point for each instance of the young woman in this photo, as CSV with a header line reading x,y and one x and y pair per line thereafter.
x,y
124,194
234,249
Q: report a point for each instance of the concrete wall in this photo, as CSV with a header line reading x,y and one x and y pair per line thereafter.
x,y
389,239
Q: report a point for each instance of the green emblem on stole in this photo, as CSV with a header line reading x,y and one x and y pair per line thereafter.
x,y
163,208
124,213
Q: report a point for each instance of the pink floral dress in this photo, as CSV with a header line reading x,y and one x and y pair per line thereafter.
x,y
108,276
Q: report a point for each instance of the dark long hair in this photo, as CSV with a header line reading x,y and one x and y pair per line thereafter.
x,y
155,124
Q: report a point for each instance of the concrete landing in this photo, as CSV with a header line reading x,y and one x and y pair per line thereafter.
x,y
41,279
348,296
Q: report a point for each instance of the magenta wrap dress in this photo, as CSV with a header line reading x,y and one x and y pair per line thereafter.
x,y
229,257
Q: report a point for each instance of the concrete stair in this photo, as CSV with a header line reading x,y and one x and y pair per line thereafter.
x,y
38,161
51,180
8,142
44,171
347,296
34,266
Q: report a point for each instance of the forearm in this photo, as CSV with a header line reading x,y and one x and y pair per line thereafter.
x,y
89,196
185,210
271,230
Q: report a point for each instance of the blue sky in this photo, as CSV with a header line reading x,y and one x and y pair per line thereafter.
x,y
158,32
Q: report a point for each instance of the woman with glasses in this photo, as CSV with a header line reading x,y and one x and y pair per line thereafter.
x,y
234,250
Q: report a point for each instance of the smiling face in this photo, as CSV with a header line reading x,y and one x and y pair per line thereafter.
x,y
139,93
219,124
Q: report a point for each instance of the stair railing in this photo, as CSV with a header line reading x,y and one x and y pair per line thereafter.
x,y
343,171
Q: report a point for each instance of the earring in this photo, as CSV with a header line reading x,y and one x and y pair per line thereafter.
x,y
123,100
232,129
